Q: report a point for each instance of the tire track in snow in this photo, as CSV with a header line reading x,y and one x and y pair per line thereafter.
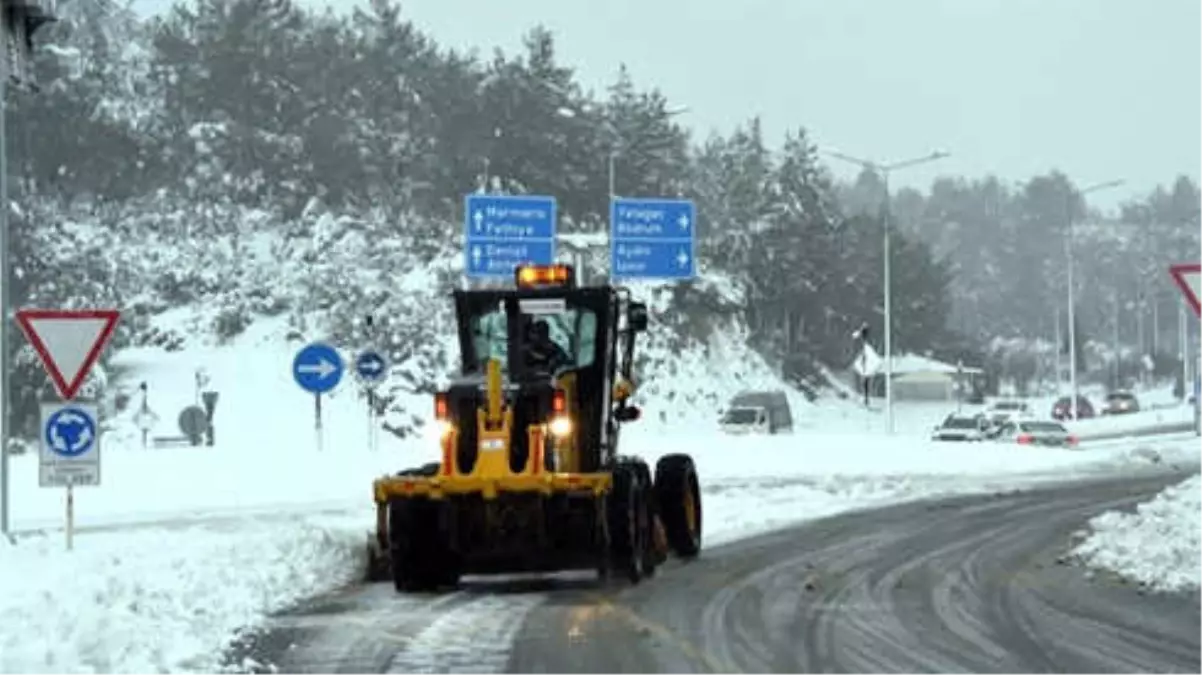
x,y
473,637
373,629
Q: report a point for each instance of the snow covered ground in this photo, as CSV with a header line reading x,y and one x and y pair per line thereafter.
x,y
1159,545
270,514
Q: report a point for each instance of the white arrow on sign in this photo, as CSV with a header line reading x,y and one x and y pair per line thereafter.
x,y
323,368
371,366
478,218
683,222
476,253
83,440
682,259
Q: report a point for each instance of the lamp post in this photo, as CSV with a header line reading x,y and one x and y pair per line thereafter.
x,y
1072,314
612,175
884,170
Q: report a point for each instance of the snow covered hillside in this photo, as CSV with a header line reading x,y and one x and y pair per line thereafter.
x,y
320,277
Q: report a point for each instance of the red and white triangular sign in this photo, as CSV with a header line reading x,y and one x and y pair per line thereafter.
x,y
68,341
1189,279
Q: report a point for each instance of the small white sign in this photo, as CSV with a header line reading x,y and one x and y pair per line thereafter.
x,y
145,419
70,445
543,306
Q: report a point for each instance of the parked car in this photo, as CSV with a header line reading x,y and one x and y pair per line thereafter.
x,y
1003,411
1120,403
1036,432
1062,409
961,428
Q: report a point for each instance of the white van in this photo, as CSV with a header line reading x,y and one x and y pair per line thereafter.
x,y
746,420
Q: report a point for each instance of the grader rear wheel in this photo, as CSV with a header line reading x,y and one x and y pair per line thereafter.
x,y
678,496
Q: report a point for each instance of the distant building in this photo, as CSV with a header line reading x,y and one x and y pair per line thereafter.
x,y
915,378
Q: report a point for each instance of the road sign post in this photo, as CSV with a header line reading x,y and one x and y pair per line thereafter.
x,y
652,239
1188,278
371,369
69,343
70,452
502,232
317,369
1198,397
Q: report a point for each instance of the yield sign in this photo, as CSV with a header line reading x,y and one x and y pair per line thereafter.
x,y
68,341
1189,279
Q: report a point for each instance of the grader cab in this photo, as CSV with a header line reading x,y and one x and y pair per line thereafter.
x,y
530,479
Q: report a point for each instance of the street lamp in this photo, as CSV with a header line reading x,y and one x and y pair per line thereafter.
x,y
884,170
1072,315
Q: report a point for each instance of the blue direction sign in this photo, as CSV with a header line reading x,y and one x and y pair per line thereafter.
x,y
502,232
652,239
70,432
371,367
317,368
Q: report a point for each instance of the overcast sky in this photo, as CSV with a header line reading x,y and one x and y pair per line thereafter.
x,y
1101,89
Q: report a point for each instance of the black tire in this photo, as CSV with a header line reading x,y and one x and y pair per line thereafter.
x,y
420,558
678,493
647,514
378,567
627,516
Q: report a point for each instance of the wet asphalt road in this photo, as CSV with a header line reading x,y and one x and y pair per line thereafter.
x,y
969,584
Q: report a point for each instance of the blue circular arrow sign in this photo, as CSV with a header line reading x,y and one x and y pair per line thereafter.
x,y
317,368
371,367
70,432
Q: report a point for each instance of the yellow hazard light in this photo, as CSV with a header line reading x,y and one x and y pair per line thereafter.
x,y
541,276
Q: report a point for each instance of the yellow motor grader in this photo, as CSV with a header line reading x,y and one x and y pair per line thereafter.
x,y
530,478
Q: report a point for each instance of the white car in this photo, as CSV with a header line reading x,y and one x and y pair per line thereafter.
x,y
1000,411
961,428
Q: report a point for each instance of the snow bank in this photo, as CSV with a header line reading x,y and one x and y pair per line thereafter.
x,y
1132,422
160,600
1160,545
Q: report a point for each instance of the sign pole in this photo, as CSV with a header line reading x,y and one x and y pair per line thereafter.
x,y
317,369
317,419
70,515
371,369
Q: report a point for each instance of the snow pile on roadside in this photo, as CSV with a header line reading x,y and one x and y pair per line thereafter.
x,y
164,599
1160,545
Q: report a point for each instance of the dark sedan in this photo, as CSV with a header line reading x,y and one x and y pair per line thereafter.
x,y
1062,409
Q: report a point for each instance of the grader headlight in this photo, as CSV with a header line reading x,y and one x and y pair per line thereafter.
x,y
561,426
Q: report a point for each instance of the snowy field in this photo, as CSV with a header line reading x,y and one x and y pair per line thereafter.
x,y
1159,545
180,547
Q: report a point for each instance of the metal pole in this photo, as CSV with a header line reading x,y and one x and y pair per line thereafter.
x,y
1114,341
1183,341
1059,363
888,310
612,175
5,296
1072,319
